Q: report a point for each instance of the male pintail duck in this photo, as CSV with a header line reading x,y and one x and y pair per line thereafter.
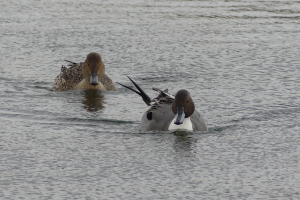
x,y
167,112
87,75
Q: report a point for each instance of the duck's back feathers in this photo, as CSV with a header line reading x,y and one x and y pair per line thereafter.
x,y
68,77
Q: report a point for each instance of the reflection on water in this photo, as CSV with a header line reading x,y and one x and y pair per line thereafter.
x,y
92,101
184,142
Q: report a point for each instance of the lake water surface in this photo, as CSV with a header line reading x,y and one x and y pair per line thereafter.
x,y
239,60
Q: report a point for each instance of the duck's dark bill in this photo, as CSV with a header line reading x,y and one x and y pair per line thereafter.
x,y
180,116
94,79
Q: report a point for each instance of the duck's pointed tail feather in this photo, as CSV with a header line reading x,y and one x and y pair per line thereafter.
x,y
140,92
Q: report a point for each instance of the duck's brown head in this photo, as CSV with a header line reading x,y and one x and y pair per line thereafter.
x,y
183,106
93,68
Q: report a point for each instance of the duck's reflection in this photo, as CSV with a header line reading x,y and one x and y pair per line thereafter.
x,y
92,100
184,142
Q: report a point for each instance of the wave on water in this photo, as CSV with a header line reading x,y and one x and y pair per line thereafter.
x,y
45,117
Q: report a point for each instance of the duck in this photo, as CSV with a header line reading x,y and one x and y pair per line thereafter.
x,y
87,75
169,112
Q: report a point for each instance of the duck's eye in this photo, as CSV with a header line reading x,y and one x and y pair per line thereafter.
x,y
187,101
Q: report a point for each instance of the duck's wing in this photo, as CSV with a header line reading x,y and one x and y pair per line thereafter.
x,y
108,83
160,114
198,122
68,77
157,117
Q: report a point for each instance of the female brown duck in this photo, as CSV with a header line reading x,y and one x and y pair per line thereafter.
x,y
87,75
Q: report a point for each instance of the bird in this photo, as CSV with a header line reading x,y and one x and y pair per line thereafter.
x,y
169,112
87,75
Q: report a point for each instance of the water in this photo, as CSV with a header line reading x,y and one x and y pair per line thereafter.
x,y
238,59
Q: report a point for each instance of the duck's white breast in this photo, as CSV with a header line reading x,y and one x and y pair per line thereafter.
x,y
187,124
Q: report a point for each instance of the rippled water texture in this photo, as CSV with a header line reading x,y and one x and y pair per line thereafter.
x,y
238,59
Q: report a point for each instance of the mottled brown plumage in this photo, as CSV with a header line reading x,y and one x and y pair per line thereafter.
x,y
78,75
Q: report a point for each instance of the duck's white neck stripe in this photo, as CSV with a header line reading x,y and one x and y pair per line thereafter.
x,y
187,124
